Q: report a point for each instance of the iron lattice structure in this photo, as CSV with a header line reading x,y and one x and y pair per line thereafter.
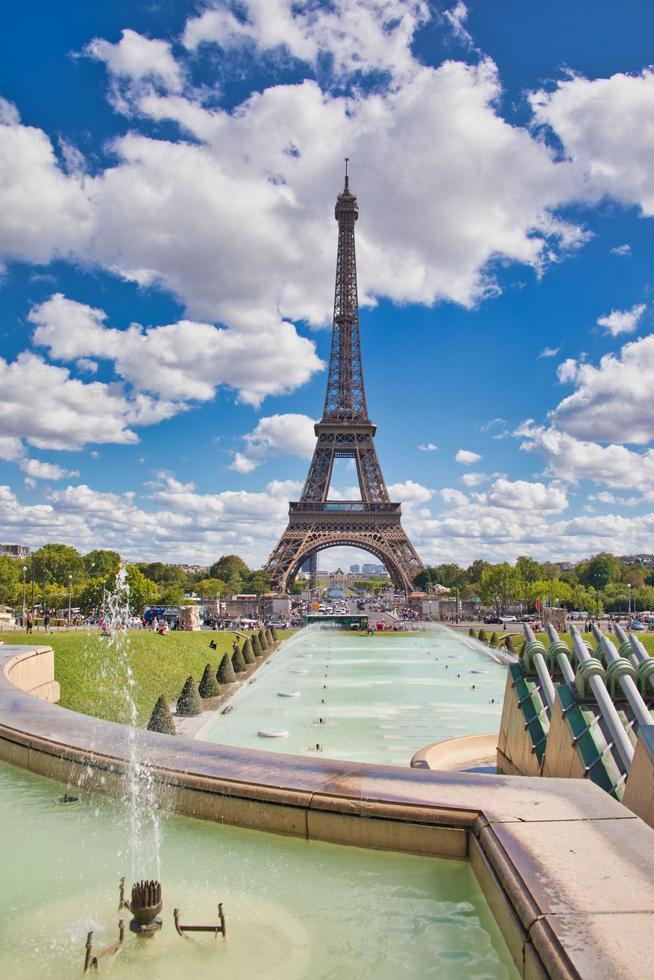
x,y
345,431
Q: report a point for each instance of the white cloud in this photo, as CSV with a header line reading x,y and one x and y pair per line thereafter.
x,y
613,400
276,435
138,58
410,492
357,35
549,351
621,250
491,424
467,457
605,127
474,479
181,361
574,459
456,17
610,498
428,447
523,495
43,404
622,321
36,469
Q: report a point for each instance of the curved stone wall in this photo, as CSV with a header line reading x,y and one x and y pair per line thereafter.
x,y
567,871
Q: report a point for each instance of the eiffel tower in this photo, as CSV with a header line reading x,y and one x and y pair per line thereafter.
x,y
345,432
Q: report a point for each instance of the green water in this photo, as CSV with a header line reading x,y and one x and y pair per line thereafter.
x,y
295,909
366,698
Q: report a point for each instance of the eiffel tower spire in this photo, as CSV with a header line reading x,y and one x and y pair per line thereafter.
x,y
345,431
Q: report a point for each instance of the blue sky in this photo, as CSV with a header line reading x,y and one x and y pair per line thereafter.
x,y
167,180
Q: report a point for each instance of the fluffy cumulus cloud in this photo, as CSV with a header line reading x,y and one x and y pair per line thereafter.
x,y
428,447
138,58
622,321
277,435
182,361
612,401
43,404
467,457
523,495
574,459
353,35
604,125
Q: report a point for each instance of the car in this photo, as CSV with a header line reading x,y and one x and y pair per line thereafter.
x,y
509,619
636,626
493,619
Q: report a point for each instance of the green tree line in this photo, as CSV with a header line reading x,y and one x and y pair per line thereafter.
x,y
55,573
594,585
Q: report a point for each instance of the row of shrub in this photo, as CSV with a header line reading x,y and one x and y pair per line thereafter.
x,y
494,640
192,695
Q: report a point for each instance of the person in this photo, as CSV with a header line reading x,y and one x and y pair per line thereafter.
x,y
213,645
46,622
29,623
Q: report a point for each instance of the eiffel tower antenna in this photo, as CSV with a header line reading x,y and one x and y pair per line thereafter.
x,y
345,431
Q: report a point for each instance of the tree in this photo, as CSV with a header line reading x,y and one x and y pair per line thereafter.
x,y
600,570
528,568
11,588
161,719
238,663
258,583
229,566
189,702
475,571
499,584
54,563
210,588
209,685
225,673
142,591
101,563
256,646
428,576
247,651
552,591
90,597
171,595
451,576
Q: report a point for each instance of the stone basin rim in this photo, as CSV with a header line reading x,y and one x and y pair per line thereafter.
x,y
446,814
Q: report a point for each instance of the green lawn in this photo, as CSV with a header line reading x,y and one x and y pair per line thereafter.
x,y
94,675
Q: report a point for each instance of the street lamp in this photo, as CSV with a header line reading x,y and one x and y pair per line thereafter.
x,y
24,573
70,590
629,594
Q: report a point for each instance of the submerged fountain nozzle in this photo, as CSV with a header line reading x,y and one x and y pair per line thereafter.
x,y
145,906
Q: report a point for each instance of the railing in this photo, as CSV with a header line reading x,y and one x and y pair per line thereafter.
x,y
345,506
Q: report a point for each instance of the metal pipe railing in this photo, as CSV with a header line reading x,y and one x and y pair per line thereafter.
x,y
591,670
620,670
631,646
535,654
562,655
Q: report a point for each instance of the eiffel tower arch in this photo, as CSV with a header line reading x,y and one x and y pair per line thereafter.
x,y
345,432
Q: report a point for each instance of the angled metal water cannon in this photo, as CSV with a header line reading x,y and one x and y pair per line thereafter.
x,y
591,674
534,660
631,646
559,655
621,671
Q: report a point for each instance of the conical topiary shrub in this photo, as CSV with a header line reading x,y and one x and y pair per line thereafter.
x,y
189,702
256,646
263,641
273,633
209,685
225,673
269,639
471,632
161,719
523,648
493,640
248,652
238,663
482,635
508,642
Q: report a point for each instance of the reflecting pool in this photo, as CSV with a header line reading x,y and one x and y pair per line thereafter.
x,y
295,909
375,698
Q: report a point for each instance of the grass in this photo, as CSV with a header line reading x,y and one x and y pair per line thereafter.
x,y
94,675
